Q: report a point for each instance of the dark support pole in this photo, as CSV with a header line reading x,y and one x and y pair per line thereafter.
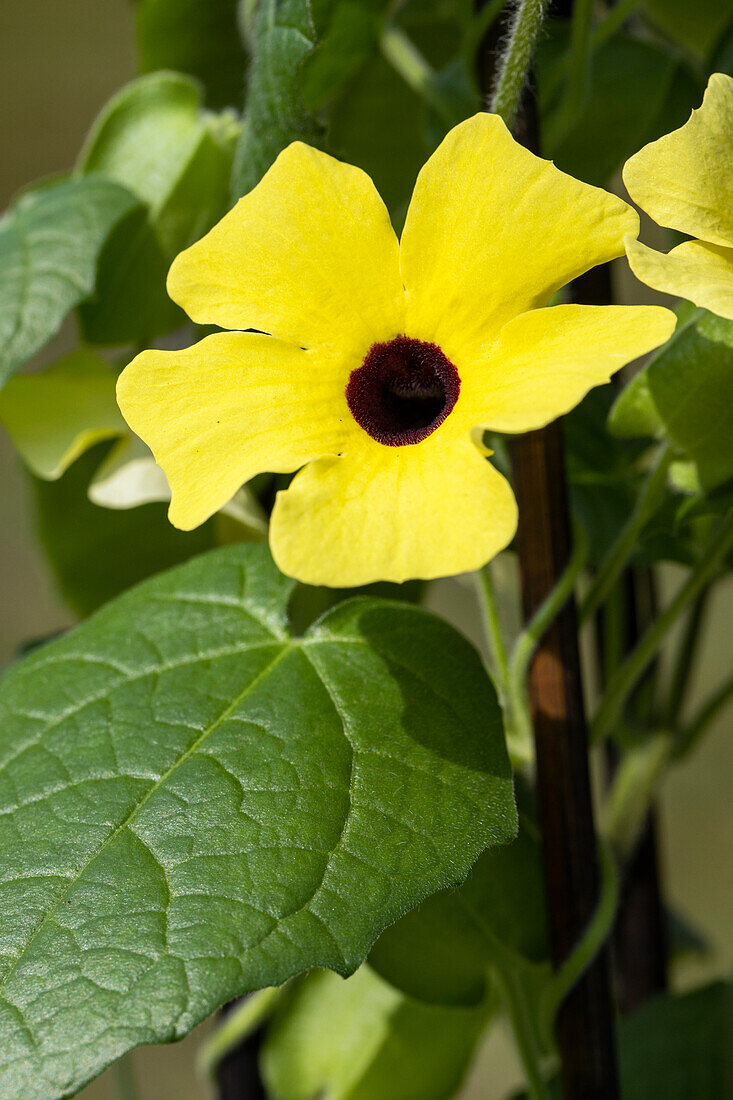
x,y
585,1024
238,1075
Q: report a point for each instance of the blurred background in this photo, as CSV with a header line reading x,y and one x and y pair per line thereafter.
x,y
58,64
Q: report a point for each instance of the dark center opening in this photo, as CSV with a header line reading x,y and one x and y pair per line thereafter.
x,y
403,391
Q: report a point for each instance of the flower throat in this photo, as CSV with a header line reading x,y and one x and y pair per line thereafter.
x,y
403,391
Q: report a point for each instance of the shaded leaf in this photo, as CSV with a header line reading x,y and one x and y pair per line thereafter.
x,y
348,36
637,91
195,805
282,38
49,246
155,138
361,1039
96,553
685,396
198,37
443,951
57,414
699,26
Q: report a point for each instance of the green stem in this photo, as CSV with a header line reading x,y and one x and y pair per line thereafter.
x,y
591,942
236,1026
515,63
686,660
519,735
523,1027
612,565
630,672
708,712
493,629
405,58
633,792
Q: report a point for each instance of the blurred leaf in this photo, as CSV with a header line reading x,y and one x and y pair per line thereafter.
x,y
348,35
603,474
282,38
675,1048
129,477
131,303
57,414
379,125
637,91
96,553
155,138
685,396
361,1039
197,805
49,245
679,1047
443,951
198,37
698,26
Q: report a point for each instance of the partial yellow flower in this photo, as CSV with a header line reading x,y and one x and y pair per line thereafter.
x,y
383,360
685,181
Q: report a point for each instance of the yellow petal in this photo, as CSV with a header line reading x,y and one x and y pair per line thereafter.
x,y
232,406
702,273
392,513
685,179
493,231
546,361
309,255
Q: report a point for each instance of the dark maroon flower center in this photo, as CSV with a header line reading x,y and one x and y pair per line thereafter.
x,y
403,391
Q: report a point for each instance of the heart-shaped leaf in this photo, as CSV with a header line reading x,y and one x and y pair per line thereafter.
x,y
196,804
49,246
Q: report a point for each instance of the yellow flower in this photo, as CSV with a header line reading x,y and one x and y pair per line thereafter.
x,y
685,181
384,360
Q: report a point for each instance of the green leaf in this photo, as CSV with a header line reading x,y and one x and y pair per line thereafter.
x,y
699,26
198,37
443,951
676,1048
55,415
685,396
282,38
49,246
603,472
348,39
379,125
636,92
361,1039
155,138
96,553
197,804
679,1047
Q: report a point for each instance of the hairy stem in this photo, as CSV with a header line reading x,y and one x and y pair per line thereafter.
x,y
515,63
